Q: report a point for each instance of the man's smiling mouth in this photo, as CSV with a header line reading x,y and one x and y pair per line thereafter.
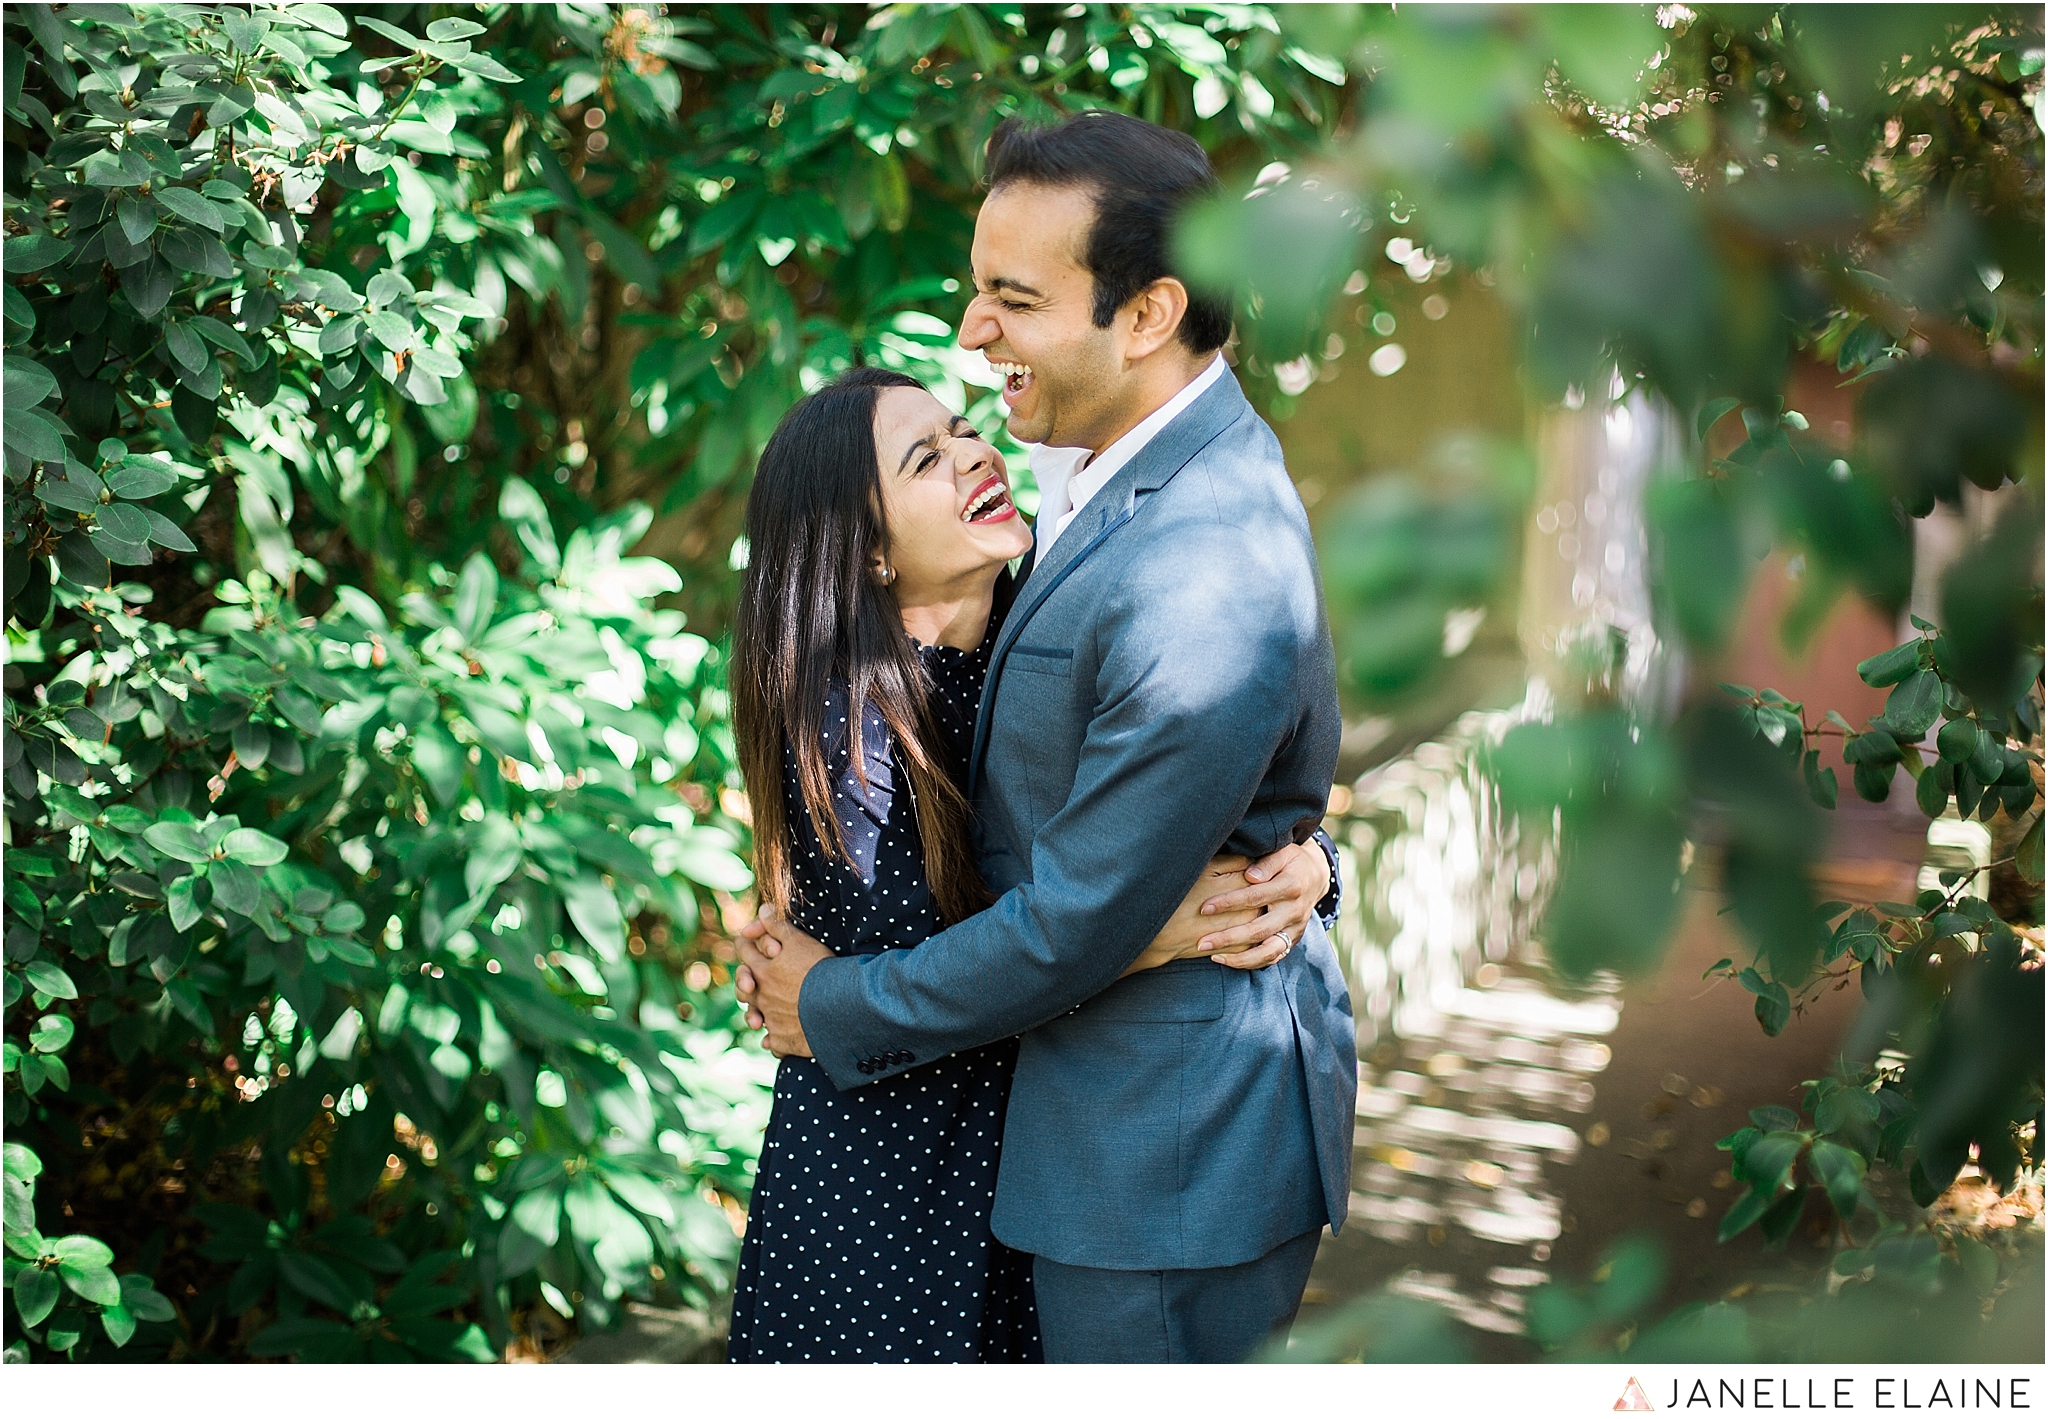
x,y
990,503
1015,377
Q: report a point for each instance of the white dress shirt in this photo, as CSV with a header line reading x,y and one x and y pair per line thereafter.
x,y
1068,478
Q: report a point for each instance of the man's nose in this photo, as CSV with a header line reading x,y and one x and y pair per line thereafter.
x,y
977,326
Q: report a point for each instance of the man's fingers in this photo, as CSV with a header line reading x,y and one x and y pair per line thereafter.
x,y
755,1019
1268,951
1252,898
743,983
753,954
1239,935
1246,936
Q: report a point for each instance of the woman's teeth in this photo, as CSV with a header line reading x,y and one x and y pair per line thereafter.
x,y
988,501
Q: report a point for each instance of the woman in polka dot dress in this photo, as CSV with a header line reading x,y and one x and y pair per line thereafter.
x,y
879,528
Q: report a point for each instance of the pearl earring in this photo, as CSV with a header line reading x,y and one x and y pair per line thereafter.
x,y
884,574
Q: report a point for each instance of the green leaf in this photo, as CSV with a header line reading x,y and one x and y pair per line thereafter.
x,y
28,382
35,1294
33,252
85,1253
185,347
1957,741
1769,1161
1874,781
124,523
1913,706
94,1283
595,911
50,980
148,286
166,533
254,847
476,597
235,887
1931,792
1892,666
192,207
484,67
1713,411
144,1301
453,29
183,899
393,331
1773,1008
140,478
119,1324
390,32
51,1034
1743,1215
1840,1170
34,434
1845,1107
178,840
225,337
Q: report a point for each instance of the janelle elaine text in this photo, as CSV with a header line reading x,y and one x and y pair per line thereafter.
x,y
1945,1392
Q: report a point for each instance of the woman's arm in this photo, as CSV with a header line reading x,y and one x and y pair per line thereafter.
x,y
1243,914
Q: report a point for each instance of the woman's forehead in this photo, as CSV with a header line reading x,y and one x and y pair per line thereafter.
x,y
915,410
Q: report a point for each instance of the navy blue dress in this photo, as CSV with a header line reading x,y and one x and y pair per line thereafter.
x,y
868,1237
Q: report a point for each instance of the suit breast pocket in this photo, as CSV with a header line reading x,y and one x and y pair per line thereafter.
x,y
1041,660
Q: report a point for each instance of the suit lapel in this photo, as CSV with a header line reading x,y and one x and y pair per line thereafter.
x,y
1155,466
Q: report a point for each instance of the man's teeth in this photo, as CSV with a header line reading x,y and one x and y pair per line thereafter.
x,y
1012,371
984,502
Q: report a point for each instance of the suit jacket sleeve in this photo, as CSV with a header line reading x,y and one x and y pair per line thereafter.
x,y
1196,693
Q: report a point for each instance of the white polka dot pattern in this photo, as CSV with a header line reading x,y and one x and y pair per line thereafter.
x,y
868,1237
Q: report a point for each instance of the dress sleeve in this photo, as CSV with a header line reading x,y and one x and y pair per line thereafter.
x,y
1333,900
861,809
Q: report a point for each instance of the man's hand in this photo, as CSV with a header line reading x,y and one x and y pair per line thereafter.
x,y
774,959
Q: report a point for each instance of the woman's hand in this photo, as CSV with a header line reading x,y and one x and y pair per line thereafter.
x,y
1243,914
1253,926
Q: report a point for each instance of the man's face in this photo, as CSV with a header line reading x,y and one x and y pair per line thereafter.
x,y
1031,316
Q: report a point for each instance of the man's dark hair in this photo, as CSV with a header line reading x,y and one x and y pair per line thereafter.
x,y
1142,177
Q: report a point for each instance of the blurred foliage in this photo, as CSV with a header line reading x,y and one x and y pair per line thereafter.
x,y
1920,1298
1690,201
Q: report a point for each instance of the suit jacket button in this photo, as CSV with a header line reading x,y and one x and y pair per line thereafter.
x,y
909,1058
866,1066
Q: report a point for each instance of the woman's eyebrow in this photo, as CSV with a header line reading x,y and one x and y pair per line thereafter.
x,y
929,440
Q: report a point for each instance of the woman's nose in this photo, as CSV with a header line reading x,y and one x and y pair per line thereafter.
x,y
970,457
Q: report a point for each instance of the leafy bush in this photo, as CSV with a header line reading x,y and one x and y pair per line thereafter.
x,y
371,924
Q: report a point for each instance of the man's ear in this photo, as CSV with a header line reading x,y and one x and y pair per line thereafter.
x,y
1156,313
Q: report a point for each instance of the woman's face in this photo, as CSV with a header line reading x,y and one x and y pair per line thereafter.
x,y
945,499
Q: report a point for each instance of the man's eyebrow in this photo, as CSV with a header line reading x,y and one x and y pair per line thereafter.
x,y
1005,283
928,439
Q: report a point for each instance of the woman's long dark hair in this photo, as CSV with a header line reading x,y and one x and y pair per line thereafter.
x,y
810,610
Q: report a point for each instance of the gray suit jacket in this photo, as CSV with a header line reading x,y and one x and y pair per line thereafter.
x,y
1162,690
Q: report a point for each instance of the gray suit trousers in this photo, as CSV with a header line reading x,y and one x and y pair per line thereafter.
x,y
1212,1315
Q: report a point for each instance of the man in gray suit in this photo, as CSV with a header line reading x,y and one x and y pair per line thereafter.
x,y
1163,689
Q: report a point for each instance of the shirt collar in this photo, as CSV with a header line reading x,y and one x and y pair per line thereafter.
x,y
1060,473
